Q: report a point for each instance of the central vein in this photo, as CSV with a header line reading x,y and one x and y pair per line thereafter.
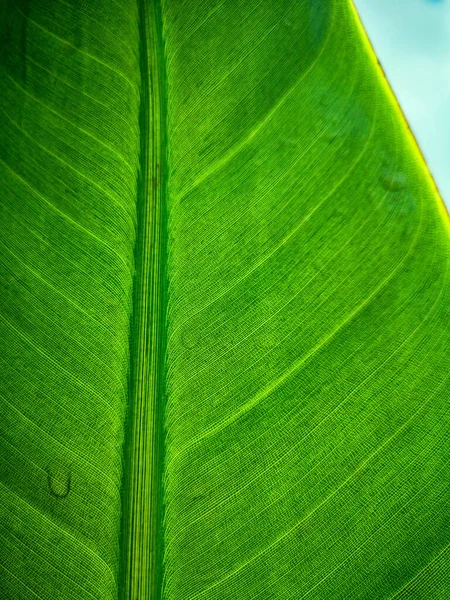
x,y
142,540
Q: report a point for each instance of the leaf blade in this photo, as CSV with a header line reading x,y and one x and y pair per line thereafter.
x,y
68,197
302,250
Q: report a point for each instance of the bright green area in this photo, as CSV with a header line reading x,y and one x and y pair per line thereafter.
x,y
224,265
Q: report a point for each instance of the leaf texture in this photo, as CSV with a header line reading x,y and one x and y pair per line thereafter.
x,y
225,309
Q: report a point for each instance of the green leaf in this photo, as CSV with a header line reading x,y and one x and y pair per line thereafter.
x,y
224,311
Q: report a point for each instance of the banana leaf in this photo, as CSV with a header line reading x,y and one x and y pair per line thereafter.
x,y
224,311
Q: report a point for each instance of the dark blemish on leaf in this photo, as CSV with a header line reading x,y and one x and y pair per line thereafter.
x,y
330,136
59,482
393,182
189,339
382,68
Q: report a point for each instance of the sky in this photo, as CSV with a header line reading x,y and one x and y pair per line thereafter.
x,y
412,41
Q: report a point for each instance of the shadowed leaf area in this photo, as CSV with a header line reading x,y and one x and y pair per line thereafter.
x,y
225,309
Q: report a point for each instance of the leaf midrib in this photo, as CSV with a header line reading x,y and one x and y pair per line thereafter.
x,y
141,535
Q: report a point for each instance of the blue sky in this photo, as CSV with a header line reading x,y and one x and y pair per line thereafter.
x,y
412,41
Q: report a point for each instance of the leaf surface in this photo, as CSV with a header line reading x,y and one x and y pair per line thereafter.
x,y
225,307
